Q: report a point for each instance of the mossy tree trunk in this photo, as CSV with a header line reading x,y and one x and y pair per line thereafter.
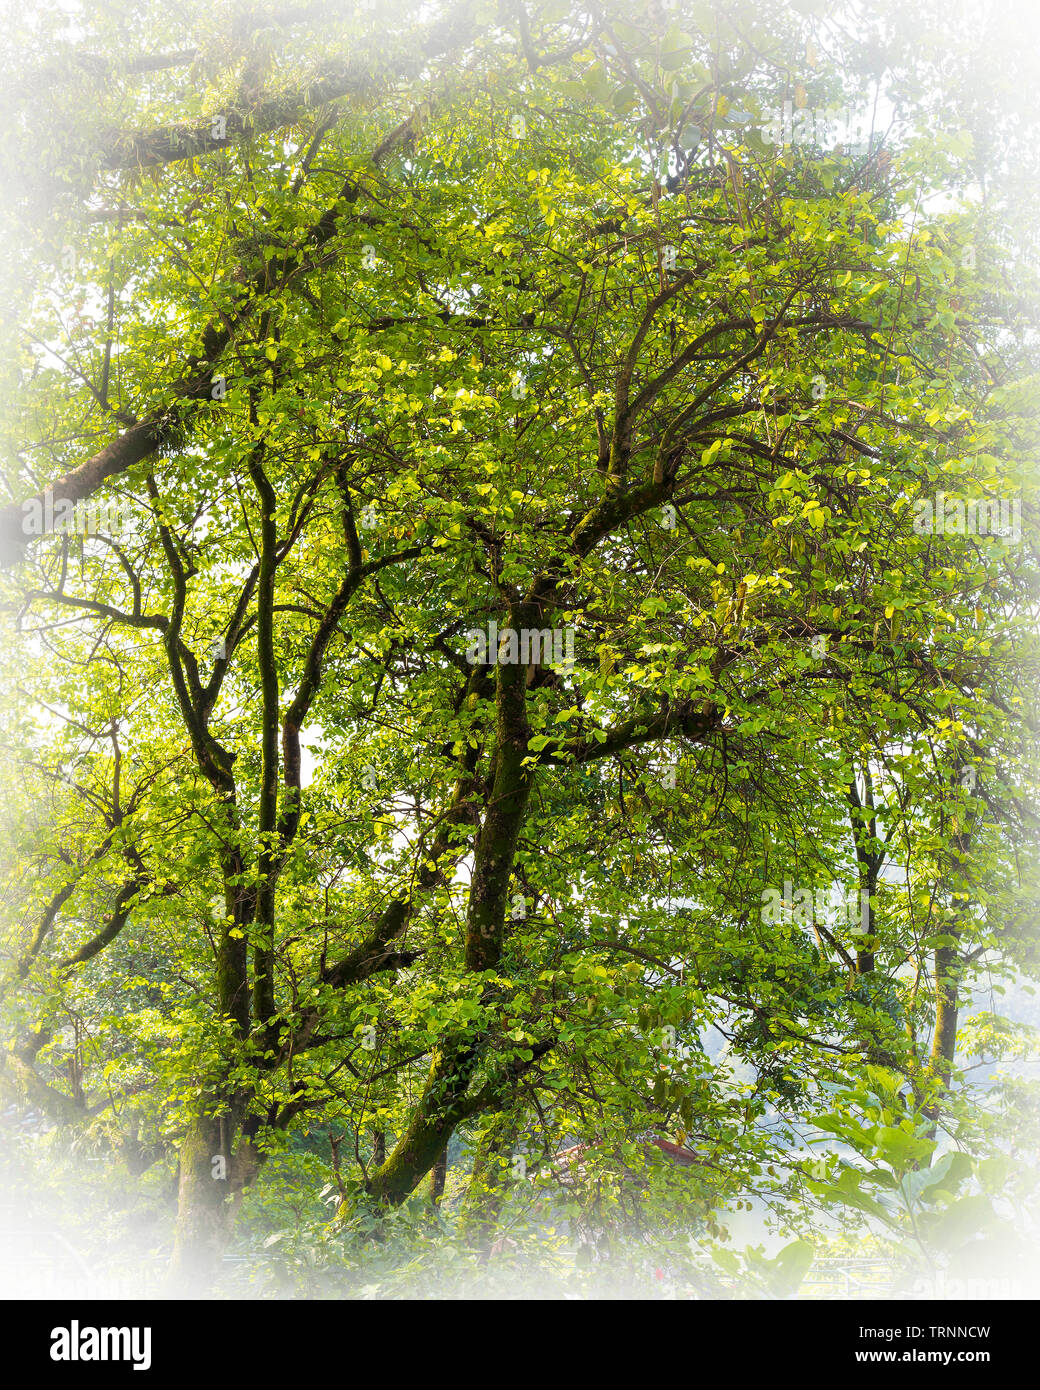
x,y
445,1101
203,1215
438,1178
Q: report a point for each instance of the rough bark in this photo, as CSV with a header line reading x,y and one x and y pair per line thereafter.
x,y
203,1211
438,1177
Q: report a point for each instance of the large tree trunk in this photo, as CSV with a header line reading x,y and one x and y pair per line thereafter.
x,y
439,1110
214,1171
208,1174
203,1210
444,1102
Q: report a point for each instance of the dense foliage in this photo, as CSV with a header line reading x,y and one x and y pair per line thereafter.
x,y
519,626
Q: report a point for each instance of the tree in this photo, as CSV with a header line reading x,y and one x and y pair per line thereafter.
x,y
538,422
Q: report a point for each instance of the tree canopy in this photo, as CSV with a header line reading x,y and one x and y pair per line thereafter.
x,y
519,609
